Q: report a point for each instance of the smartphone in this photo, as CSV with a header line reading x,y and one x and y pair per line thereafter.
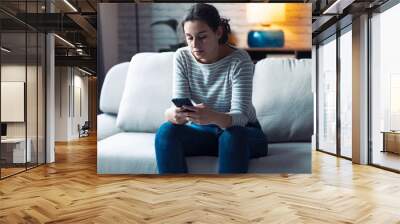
x,y
179,102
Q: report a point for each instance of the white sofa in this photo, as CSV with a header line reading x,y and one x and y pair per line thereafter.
x,y
135,95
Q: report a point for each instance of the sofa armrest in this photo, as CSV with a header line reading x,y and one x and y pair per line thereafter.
x,y
112,89
106,126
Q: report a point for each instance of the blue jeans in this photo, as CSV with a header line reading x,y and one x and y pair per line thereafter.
x,y
234,146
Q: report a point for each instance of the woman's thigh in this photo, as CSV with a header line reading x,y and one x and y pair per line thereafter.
x,y
253,137
195,140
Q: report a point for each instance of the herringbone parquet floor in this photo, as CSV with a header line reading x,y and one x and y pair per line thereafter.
x,y
70,191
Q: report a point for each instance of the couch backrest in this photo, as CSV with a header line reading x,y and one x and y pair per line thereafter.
x,y
147,92
283,98
281,94
111,91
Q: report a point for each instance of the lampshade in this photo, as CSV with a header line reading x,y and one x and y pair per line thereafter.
x,y
265,13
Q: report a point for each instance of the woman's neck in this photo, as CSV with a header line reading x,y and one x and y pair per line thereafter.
x,y
223,51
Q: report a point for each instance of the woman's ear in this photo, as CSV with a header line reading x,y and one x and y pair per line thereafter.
x,y
219,32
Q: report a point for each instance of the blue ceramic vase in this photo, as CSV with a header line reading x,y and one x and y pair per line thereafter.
x,y
265,38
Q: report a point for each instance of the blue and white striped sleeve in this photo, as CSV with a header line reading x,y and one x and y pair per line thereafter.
x,y
180,77
242,89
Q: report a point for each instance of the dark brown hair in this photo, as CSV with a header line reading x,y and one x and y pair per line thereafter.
x,y
209,14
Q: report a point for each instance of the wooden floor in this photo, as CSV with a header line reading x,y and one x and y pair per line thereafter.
x,y
10,171
70,191
387,159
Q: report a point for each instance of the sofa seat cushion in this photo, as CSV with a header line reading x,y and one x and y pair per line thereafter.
x,y
127,153
294,157
134,153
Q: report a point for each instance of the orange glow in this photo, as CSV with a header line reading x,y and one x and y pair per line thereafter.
x,y
265,13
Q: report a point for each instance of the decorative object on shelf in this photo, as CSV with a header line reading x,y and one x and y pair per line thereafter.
x,y
265,35
173,24
266,39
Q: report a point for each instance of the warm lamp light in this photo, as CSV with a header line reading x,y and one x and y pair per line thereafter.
x,y
265,13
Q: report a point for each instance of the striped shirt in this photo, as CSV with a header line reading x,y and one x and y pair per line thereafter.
x,y
224,86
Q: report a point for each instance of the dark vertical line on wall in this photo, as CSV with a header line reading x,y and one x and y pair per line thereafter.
x,y
45,97
338,76
317,96
45,91
369,90
26,86
37,92
37,88
137,27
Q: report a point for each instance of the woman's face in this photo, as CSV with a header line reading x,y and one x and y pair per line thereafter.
x,y
202,40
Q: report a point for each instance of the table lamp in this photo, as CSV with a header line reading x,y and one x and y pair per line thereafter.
x,y
263,15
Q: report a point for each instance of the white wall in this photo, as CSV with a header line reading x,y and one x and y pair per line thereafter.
x,y
33,126
67,115
61,103
15,72
10,73
79,117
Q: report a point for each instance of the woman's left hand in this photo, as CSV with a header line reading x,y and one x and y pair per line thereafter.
x,y
201,114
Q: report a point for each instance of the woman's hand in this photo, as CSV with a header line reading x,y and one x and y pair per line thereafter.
x,y
175,115
201,114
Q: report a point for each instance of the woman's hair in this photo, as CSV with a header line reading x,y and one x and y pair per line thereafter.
x,y
209,14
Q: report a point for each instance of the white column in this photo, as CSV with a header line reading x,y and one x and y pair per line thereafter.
x,y
360,90
314,91
50,100
50,92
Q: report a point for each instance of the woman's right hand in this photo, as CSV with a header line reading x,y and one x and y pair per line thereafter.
x,y
176,115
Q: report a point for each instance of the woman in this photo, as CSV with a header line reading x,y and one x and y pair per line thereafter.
x,y
218,78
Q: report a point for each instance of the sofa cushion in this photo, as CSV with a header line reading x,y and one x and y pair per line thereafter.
x,y
134,153
106,126
283,99
127,153
147,93
293,157
111,91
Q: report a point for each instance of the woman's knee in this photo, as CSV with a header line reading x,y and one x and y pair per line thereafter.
x,y
167,140
234,137
168,130
234,133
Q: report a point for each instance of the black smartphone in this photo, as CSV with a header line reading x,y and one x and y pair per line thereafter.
x,y
179,102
